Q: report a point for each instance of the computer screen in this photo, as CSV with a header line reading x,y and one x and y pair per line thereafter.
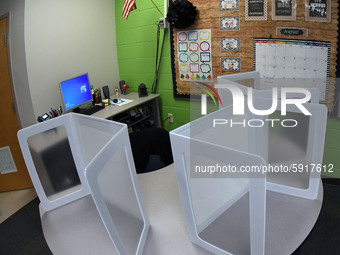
x,y
75,92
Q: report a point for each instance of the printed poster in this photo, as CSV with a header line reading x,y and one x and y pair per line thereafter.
x,y
256,10
194,55
283,7
284,10
318,10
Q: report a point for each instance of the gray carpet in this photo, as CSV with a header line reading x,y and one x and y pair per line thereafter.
x,y
21,234
324,239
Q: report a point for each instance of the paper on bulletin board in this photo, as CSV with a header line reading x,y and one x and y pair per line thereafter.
x,y
194,55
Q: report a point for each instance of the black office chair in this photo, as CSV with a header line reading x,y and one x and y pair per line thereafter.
x,y
151,149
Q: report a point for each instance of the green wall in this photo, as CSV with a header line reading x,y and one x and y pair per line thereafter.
x,y
136,49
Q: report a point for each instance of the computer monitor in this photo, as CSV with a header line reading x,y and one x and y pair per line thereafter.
x,y
76,92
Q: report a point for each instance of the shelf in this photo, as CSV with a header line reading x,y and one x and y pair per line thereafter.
x,y
139,121
123,118
145,105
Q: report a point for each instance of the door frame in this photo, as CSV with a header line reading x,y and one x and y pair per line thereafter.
x,y
9,64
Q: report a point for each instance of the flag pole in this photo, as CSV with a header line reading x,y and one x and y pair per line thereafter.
x,y
157,8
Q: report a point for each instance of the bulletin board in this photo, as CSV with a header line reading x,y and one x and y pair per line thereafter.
x,y
234,24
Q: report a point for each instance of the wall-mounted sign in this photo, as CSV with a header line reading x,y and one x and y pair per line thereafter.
x,y
230,23
256,10
284,10
229,5
292,31
318,10
230,44
231,64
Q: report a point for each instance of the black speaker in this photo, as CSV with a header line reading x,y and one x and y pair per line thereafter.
x,y
142,90
106,92
121,83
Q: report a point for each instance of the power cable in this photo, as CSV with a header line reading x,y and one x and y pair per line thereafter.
x,y
158,58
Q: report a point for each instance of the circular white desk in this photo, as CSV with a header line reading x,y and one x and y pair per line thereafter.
x,y
76,228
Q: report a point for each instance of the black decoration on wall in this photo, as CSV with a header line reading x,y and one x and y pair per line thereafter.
x,y
181,13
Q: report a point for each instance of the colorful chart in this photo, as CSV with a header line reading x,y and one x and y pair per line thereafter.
x,y
194,55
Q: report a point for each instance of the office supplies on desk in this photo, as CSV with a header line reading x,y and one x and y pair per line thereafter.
x,y
43,117
51,114
117,92
97,97
106,102
116,101
120,101
124,89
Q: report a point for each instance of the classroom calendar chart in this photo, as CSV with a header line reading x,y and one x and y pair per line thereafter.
x,y
194,55
305,62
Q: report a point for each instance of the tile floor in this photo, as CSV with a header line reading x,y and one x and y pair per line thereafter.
x,y
12,201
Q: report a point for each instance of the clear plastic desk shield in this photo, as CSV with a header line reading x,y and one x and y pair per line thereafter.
x,y
74,156
253,80
112,180
221,161
300,148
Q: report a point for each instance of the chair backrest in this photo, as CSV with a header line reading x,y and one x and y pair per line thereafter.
x,y
151,149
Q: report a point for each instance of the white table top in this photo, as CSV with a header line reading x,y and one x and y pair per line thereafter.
x,y
112,110
77,229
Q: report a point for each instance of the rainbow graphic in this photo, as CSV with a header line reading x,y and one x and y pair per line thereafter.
x,y
209,93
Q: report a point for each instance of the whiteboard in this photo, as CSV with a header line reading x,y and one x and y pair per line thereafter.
x,y
293,63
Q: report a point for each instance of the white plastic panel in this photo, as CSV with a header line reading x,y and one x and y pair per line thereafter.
x,y
53,160
253,80
113,183
298,149
57,151
209,198
75,155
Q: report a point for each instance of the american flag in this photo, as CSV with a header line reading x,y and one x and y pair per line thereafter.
x,y
128,6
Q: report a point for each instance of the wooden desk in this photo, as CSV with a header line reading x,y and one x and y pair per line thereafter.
x,y
113,111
